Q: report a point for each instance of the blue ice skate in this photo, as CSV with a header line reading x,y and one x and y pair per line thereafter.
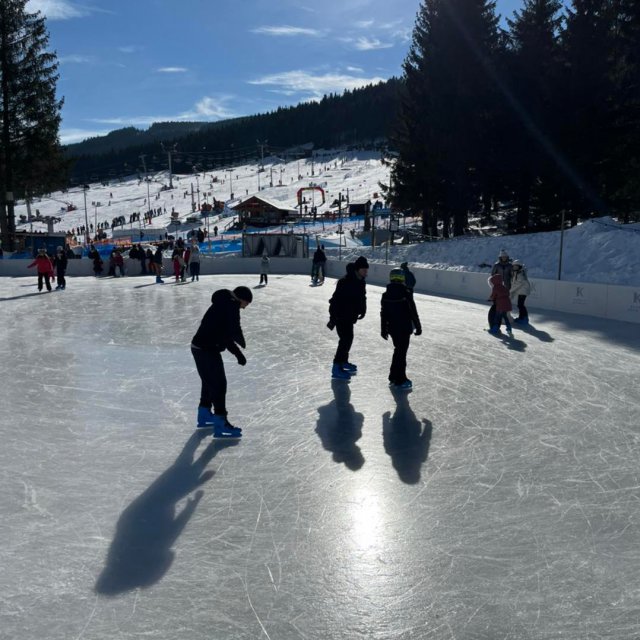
x,y
226,430
403,386
338,372
350,368
208,420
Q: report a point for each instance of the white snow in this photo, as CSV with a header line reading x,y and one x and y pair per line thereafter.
x,y
600,250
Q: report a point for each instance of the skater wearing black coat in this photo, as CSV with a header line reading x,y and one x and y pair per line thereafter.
x,y
60,263
347,305
219,331
398,319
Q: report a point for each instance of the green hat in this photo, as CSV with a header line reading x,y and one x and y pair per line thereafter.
x,y
396,275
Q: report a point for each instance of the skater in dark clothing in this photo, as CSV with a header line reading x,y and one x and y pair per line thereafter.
x,y
94,255
347,305
219,330
398,319
318,266
409,278
60,263
157,262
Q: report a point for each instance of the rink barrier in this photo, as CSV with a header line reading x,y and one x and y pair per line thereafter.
x,y
598,300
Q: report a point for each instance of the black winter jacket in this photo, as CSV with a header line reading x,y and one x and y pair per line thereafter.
x,y
398,313
349,301
220,327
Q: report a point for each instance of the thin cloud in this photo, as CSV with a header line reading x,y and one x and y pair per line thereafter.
x,y
129,49
172,70
313,86
207,108
371,44
287,31
63,9
69,136
75,59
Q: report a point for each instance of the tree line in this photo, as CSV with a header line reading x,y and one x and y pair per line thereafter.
x,y
537,120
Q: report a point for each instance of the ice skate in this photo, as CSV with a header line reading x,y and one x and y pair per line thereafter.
x,y
339,373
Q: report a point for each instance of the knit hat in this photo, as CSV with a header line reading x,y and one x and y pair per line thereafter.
x,y
503,254
396,275
361,263
404,265
243,293
517,263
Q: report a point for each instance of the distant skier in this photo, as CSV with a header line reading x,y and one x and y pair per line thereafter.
x,y
219,330
399,319
347,305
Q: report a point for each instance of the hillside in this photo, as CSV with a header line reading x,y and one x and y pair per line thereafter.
x,y
599,250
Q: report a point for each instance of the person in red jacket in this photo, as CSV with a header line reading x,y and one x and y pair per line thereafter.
x,y
501,298
45,269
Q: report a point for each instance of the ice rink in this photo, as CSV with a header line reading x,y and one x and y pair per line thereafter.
x,y
498,500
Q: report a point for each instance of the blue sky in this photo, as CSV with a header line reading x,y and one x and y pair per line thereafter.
x,y
135,62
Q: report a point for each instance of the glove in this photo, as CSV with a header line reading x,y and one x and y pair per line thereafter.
x,y
241,359
330,325
418,331
241,343
385,335
361,316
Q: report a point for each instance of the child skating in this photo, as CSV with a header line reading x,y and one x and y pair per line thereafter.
x,y
502,300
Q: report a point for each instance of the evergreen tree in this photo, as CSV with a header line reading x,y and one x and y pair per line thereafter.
x,y
447,112
534,61
30,156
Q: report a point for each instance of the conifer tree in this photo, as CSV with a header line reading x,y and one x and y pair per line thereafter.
x,y
30,156
447,110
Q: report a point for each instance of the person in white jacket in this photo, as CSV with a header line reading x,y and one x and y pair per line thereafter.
x,y
520,289
264,268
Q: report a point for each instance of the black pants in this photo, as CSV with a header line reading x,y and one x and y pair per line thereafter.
x,y
522,310
263,277
491,316
194,269
45,277
61,280
345,340
398,370
214,381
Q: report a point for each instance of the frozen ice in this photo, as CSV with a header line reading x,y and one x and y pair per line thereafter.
x,y
499,499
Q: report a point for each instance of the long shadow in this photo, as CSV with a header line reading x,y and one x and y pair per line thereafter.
x,y
26,295
406,439
340,427
543,336
141,551
148,284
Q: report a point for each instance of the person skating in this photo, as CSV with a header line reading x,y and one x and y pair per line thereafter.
x,y
520,289
347,305
264,269
398,319
318,265
502,302
194,261
409,278
44,268
502,267
60,263
157,262
219,330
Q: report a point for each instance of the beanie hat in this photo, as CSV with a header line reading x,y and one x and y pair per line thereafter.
x,y
503,254
243,293
396,275
361,263
404,264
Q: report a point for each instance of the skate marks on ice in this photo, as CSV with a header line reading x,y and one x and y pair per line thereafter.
x,y
406,439
339,427
141,551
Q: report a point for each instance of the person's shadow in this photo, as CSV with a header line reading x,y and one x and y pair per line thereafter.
x,y
340,427
141,551
543,336
406,439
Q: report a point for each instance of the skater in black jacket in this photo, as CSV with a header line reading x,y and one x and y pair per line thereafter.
x,y
219,330
347,305
60,263
398,319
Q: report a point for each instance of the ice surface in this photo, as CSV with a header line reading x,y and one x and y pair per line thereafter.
x,y
498,500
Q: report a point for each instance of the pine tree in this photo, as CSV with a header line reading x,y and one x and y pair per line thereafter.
x,y
446,113
534,54
30,155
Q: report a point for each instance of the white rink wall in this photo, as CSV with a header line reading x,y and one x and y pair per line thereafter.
x,y
599,300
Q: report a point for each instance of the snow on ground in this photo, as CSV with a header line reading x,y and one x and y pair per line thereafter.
x,y
600,250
